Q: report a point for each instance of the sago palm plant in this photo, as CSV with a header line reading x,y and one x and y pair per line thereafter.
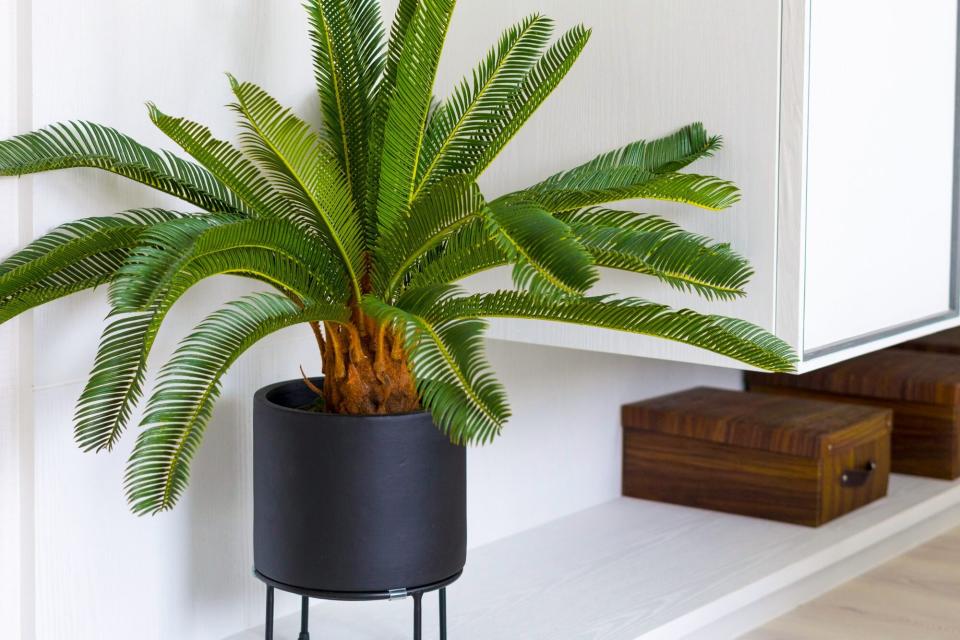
x,y
362,227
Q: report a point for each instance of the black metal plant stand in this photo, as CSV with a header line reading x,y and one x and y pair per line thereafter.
x,y
395,594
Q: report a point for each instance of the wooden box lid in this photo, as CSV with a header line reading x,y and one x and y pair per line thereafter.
x,y
779,424
892,374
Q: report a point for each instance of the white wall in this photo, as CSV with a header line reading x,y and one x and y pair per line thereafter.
x,y
10,335
101,573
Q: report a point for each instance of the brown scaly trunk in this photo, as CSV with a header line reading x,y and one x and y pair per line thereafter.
x,y
365,369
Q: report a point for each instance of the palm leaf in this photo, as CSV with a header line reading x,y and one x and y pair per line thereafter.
x,y
639,170
726,336
545,252
383,99
409,108
305,173
73,257
453,379
74,241
173,248
549,71
180,408
669,154
440,211
462,126
26,299
654,246
468,251
116,381
138,280
85,144
626,183
225,162
347,38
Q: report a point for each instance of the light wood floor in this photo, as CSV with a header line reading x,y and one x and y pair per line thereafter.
x,y
914,597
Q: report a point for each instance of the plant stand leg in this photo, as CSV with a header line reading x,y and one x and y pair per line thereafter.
x,y
268,627
443,613
418,616
304,619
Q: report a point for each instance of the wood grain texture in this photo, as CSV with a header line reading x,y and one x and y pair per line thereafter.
x,y
922,389
721,478
764,456
947,342
797,427
890,374
914,596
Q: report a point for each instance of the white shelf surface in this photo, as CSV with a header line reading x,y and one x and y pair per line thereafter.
x,y
632,569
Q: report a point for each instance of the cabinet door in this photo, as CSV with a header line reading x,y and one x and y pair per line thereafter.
x,y
651,67
880,224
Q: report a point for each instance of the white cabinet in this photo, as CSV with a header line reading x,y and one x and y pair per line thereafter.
x,y
879,168
838,117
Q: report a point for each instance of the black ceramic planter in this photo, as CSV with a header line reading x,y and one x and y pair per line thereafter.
x,y
354,503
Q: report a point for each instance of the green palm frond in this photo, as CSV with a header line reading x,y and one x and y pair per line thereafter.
x,y
116,380
639,170
544,251
446,356
156,257
347,38
669,154
468,251
85,144
409,108
75,256
383,98
629,183
443,209
549,71
304,173
225,162
172,248
726,336
474,114
75,240
651,245
26,299
180,408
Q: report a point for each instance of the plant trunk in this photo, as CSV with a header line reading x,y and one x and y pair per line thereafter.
x,y
365,369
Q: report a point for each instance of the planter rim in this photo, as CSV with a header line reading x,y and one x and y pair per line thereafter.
x,y
263,392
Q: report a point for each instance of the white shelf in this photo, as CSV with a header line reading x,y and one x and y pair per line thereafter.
x,y
633,569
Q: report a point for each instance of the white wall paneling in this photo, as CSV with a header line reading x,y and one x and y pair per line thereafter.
x,y
14,483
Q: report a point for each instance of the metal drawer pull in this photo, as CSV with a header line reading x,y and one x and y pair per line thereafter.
x,y
857,477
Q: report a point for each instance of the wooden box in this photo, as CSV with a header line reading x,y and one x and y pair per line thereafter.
x,y
780,458
922,388
943,342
